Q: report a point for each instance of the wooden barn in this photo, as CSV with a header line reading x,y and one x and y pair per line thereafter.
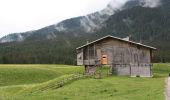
x,y
124,56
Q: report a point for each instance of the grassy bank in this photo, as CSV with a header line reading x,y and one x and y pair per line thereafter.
x,y
19,82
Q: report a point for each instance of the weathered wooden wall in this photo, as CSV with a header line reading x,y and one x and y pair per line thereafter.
x,y
80,57
126,58
141,70
122,52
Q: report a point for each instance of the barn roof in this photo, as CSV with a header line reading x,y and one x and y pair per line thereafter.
x,y
109,36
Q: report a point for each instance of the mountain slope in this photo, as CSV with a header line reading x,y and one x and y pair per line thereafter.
x,y
75,26
144,20
144,24
83,24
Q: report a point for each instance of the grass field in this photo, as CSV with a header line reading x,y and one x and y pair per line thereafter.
x,y
21,82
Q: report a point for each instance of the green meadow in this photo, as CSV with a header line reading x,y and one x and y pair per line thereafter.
x,y
38,82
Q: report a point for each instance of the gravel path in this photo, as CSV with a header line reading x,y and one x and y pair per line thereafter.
x,y
167,94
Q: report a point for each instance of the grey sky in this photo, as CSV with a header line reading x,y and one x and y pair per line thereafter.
x,y
26,15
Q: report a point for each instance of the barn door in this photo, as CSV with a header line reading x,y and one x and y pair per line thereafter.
x,y
104,59
106,56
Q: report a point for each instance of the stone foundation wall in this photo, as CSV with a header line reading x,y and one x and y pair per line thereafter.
x,y
90,69
133,70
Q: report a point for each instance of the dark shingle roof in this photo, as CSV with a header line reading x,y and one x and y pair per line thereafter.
x,y
109,36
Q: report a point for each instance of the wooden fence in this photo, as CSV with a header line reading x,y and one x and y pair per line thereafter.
x,y
63,82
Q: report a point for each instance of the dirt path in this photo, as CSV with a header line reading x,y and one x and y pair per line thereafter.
x,y
167,94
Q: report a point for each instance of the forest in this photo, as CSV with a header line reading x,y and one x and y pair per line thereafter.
x,y
148,26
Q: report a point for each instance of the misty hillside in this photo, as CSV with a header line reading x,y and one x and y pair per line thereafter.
x,y
144,20
144,24
75,26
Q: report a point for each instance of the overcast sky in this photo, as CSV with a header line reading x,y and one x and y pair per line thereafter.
x,y
26,15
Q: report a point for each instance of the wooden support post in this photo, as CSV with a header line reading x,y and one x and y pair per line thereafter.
x,y
130,69
150,69
88,55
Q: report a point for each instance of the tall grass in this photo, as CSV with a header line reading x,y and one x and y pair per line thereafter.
x,y
161,69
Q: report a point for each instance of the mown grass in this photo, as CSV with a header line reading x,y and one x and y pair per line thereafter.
x,y
28,74
112,88
161,70
107,88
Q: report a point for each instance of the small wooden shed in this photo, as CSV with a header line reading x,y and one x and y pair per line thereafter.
x,y
126,57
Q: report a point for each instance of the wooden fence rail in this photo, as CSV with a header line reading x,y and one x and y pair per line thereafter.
x,y
63,82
